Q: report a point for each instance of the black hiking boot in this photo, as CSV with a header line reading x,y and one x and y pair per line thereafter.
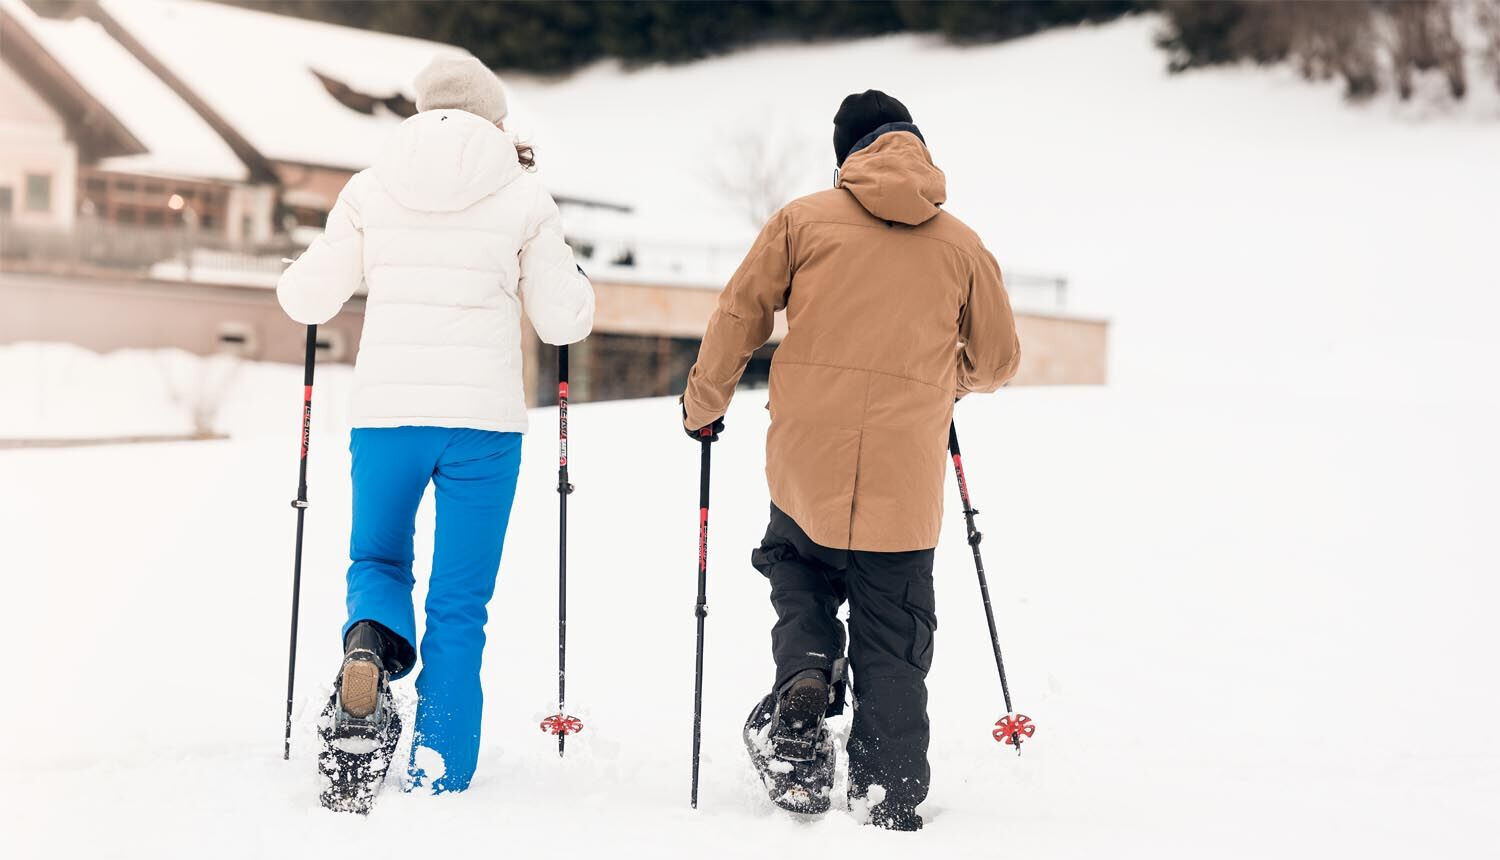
x,y
363,676
888,816
790,746
359,726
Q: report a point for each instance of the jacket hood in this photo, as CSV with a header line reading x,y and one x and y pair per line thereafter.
x,y
893,177
446,161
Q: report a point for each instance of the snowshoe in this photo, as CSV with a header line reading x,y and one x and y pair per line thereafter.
x,y
359,728
790,746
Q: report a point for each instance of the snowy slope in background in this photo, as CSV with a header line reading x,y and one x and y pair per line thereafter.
x,y
1243,217
1246,590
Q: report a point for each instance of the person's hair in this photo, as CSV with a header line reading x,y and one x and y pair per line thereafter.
x,y
526,155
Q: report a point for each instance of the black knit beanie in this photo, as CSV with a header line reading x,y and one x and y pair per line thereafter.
x,y
861,114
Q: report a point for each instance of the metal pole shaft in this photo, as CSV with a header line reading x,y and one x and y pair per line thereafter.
x,y
563,489
300,503
974,538
701,609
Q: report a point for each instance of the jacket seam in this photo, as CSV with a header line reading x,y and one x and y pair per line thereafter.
x,y
394,303
862,370
969,255
444,227
533,222
864,415
443,266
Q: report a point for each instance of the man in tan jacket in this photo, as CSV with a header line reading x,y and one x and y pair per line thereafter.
x,y
894,310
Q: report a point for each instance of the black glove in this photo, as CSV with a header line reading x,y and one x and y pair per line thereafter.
x,y
709,433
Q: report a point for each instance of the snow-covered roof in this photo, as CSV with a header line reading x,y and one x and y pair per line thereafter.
x,y
259,71
180,143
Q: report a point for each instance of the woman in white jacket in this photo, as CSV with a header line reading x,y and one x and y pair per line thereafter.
x,y
452,238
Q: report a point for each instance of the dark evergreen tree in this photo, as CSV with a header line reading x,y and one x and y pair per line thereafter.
x,y
550,36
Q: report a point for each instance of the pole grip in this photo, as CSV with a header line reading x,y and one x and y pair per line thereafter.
x,y
311,355
703,472
953,439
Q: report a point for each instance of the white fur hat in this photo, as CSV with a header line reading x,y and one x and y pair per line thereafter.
x,y
461,84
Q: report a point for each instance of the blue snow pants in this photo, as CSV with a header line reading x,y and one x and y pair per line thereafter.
x,y
474,475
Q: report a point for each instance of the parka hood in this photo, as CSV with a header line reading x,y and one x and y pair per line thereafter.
x,y
446,161
894,177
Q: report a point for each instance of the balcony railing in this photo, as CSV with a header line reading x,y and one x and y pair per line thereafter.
x,y
171,253
708,265
185,254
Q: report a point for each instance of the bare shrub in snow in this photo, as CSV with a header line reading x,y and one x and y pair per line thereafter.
x,y
199,385
1423,41
1487,19
1335,40
759,171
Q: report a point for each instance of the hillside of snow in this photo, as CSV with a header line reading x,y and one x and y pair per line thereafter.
x,y
1246,590
1242,217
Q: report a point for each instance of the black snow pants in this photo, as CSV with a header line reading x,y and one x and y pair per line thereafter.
x,y
892,617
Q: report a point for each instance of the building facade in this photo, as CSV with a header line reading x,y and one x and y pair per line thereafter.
x,y
160,159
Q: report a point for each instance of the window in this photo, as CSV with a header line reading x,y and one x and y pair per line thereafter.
x,y
238,338
125,215
7,201
153,217
39,192
307,216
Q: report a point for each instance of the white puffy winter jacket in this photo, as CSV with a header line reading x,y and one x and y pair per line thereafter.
x,y
451,237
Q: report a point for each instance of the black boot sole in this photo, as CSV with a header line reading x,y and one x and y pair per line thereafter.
x,y
359,687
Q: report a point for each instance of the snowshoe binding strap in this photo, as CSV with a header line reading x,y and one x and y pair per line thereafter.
x,y
797,722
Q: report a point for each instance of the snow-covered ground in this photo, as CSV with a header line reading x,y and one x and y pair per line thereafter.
x,y
1246,590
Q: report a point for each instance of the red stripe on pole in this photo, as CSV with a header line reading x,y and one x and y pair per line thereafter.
x,y
703,538
306,418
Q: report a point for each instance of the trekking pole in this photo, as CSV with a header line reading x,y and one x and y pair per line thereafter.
x,y
560,723
1012,727
300,504
701,610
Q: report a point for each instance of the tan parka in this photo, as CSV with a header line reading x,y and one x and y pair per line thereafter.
x,y
894,309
